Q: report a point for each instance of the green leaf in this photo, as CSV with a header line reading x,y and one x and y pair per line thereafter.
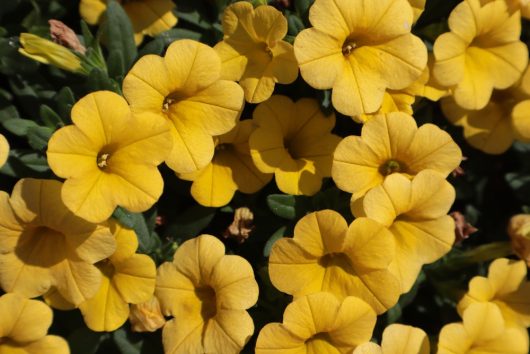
x,y
38,137
25,162
125,344
50,117
191,222
288,206
19,126
99,80
295,24
278,234
302,7
84,341
147,239
120,36
65,99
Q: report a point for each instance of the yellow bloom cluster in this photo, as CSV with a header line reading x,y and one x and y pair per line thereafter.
x,y
184,109
495,313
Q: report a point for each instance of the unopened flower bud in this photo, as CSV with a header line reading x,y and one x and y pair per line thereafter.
x,y
147,316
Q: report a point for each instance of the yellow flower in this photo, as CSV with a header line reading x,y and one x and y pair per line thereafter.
x,y
146,316
207,293
519,232
418,6
148,17
128,278
326,255
231,169
109,157
483,331
360,50
4,150
415,211
50,53
504,119
482,52
319,323
427,86
293,141
252,51
185,88
388,144
506,286
44,245
398,339
23,327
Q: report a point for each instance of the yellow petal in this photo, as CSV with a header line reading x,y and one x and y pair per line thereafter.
x,y
400,339
18,318
298,177
106,310
134,278
234,280
454,339
506,276
520,121
171,284
126,241
48,345
228,332
431,196
274,338
178,339
368,348
151,16
483,321
4,150
10,228
91,10
76,281
214,187
480,290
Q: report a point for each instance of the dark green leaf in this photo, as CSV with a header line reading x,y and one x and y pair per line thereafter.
x,y
38,137
84,341
125,344
120,36
295,24
275,237
65,100
50,117
288,206
99,80
191,222
25,163
19,126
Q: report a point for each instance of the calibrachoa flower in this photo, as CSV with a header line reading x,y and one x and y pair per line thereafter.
x,y
207,293
128,278
231,169
326,255
50,53
109,157
506,286
388,144
519,232
319,323
393,101
23,327
293,141
415,211
360,49
504,119
483,331
185,88
482,52
148,17
252,51
4,150
44,245
398,339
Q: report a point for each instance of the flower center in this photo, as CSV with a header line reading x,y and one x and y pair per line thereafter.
x,y
171,99
392,166
339,260
103,160
267,49
41,246
208,300
348,47
319,343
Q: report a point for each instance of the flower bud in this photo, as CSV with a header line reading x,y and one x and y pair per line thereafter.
x,y
48,52
147,316
519,231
